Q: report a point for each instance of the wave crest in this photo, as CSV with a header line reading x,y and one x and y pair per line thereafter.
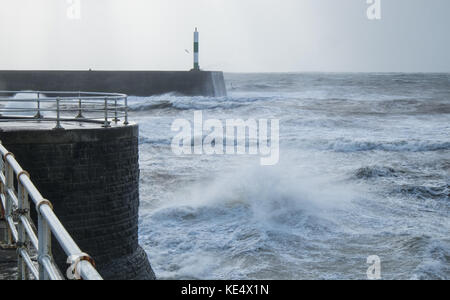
x,y
345,145
376,171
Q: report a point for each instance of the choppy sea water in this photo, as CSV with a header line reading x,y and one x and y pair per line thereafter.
x,y
364,170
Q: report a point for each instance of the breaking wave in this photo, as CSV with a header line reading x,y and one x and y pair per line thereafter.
x,y
171,102
426,192
363,171
152,106
436,264
246,217
345,145
376,171
20,108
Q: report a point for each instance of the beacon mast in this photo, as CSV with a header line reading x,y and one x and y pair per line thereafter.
x,y
196,50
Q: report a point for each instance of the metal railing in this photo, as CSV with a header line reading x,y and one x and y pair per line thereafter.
x,y
49,106
16,189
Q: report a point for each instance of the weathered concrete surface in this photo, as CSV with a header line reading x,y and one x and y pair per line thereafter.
x,y
135,83
8,264
91,175
8,257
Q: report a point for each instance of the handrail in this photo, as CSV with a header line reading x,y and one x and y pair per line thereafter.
x,y
80,107
15,209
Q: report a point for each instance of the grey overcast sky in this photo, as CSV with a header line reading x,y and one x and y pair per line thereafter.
x,y
235,35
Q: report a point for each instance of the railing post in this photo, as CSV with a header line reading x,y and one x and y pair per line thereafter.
x,y
80,110
24,210
9,176
38,114
4,229
45,244
106,124
126,111
116,119
58,115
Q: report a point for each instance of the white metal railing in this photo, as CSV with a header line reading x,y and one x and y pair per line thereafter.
x,y
16,189
58,107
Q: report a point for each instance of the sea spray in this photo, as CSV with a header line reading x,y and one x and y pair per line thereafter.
x,y
363,173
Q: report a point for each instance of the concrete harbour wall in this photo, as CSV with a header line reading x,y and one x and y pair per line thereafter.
x,y
133,83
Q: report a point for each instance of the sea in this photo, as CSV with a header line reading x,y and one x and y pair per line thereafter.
x,y
363,171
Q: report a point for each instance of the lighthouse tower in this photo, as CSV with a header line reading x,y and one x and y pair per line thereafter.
x,y
196,50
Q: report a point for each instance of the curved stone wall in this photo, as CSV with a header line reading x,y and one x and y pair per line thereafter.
x,y
92,178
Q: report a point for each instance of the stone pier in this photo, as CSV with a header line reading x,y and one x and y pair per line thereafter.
x,y
91,175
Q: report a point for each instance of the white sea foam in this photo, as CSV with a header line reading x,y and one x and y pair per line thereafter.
x,y
21,108
363,171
